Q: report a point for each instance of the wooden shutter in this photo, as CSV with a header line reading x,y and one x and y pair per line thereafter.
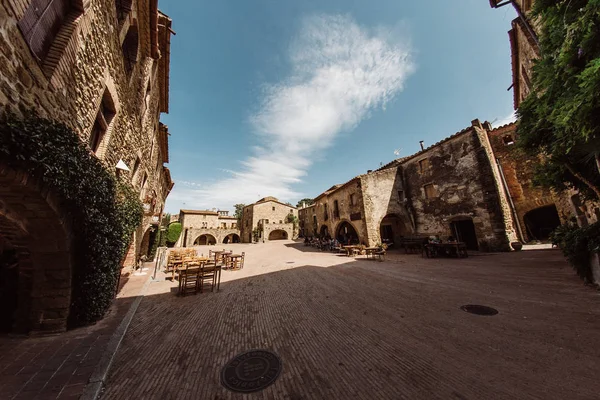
x,y
41,22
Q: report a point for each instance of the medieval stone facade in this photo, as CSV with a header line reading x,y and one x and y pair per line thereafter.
x,y
204,227
268,217
101,68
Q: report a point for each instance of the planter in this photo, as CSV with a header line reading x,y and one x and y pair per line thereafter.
x,y
517,246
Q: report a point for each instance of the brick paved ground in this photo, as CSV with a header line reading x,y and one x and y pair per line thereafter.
x,y
364,329
59,367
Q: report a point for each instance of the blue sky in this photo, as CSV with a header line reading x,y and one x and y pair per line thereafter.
x,y
286,98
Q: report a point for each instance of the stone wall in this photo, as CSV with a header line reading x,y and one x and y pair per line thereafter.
x,y
306,220
195,223
84,68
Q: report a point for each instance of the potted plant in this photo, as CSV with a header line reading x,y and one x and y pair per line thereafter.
x,y
517,246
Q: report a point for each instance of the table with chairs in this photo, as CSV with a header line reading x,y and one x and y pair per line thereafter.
x,y
197,272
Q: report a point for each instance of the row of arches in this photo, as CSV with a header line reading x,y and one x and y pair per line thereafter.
x,y
207,239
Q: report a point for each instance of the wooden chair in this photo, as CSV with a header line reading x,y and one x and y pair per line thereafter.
x,y
207,273
188,279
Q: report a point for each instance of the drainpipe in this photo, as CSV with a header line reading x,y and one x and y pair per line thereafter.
x,y
510,201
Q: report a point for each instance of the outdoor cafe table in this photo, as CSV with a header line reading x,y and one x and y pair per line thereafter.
x,y
196,267
350,249
446,249
178,264
370,250
230,258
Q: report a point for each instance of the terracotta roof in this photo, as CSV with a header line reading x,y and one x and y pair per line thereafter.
x,y
503,126
268,199
198,212
170,182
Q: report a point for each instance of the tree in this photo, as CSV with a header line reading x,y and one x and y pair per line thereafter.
x,y
239,211
560,119
307,202
173,233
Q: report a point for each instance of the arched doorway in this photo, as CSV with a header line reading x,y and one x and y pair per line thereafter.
x,y
345,233
278,234
35,258
541,221
391,229
324,231
147,241
231,238
463,230
205,239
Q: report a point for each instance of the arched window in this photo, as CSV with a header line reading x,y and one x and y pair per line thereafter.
x,y
130,49
42,22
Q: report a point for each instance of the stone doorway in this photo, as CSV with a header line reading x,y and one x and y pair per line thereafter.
x,y
391,229
231,238
541,221
278,234
204,240
147,240
464,231
345,233
324,231
9,283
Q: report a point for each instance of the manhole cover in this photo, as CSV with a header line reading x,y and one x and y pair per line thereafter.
x,y
479,310
251,371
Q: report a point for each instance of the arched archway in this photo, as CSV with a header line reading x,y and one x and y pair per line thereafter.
x,y
147,241
231,238
278,234
345,233
324,232
541,221
391,229
463,230
205,239
35,264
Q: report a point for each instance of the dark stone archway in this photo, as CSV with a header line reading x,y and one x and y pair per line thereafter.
x,y
345,233
463,230
231,238
278,234
391,229
540,222
205,239
32,227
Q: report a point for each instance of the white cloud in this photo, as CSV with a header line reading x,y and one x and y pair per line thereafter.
x,y
512,117
340,73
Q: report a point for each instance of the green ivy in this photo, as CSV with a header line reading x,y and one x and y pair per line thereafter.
x,y
577,244
103,212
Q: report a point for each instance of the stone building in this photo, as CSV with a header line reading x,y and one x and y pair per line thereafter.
x,y
453,188
101,68
525,49
204,227
307,220
268,217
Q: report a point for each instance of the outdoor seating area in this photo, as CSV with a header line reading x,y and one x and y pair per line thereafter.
x,y
197,272
350,250
451,248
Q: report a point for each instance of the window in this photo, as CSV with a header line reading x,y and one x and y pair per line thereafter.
x,y
508,140
326,214
104,117
352,199
401,196
266,221
430,191
42,22
314,220
280,221
123,9
336,210
424,165
130,49
224,225
273,208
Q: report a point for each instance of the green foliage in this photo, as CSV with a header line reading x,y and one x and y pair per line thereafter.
x,y
256,233
103,213
306,201
561,117
173,233
292,219
577,244
239,212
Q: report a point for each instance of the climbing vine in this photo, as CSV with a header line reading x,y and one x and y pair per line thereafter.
x,y
102,212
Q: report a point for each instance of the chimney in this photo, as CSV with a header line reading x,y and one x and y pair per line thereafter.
x,y
476,124
487,126
422,146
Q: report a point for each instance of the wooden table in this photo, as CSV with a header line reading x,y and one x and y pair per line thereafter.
x,y
233,257
177,265
445,249
195,268
350,249
370,250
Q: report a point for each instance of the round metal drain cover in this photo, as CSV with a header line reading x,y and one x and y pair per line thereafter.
x,y
479,310
251,371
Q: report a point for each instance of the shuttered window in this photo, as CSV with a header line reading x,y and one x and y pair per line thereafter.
x,y
42,22
130,49
123,9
